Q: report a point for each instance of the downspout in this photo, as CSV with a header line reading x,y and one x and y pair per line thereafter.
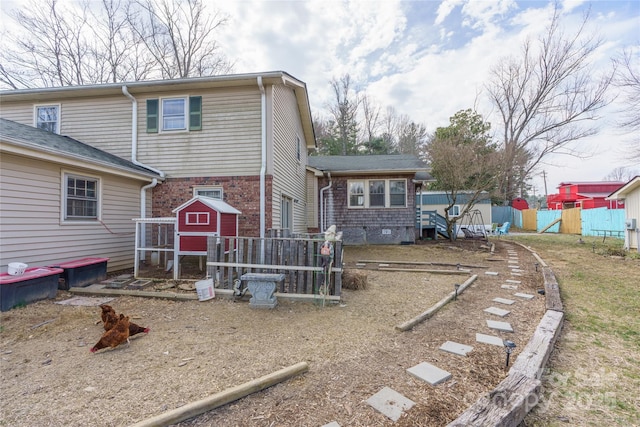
x,y
322,190
134,160
263,162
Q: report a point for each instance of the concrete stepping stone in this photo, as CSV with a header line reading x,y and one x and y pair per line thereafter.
x,y
504,301
516,282
525,296
512,261
516,270
489,339
497,311
500,326
456,348
361,264
516,274
429,373
332,424
390,403
491,273
511,287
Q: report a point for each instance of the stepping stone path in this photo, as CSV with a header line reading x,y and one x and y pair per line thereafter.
x,y
390,403
456,348
429,373
393,404
332,424
489,339
525,296
500,326
497,311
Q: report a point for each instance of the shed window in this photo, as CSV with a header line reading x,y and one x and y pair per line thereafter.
x,y
197,218
48,118
81,197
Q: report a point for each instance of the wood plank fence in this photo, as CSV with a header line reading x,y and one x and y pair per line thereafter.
x,y
228,258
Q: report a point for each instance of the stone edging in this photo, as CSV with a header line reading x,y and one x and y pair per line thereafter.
x,y
512,399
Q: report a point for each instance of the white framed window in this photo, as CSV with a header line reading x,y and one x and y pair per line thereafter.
x,y
356,194
81,197
197,218
174,114
206,191
377,193
286,213
380,193
47,117
298,148
454,210
398,193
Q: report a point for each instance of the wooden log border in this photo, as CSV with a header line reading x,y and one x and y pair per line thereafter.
x,y
229,395
434,308
509,403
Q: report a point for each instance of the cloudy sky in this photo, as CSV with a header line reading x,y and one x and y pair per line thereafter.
x,y
427,59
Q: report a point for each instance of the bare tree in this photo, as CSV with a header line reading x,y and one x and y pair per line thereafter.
x,y
344,112
464,161
622,174
627,79
547,98
412,136
371,119
53,53
111,41
179,36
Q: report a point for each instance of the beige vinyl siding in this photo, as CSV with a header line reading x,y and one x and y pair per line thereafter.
x,y
31,230
632,210
104,123
227,145
289,173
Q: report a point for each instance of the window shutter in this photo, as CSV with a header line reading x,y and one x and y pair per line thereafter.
x,y
195,113
152,116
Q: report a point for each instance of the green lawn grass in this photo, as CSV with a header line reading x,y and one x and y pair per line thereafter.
x,y
593,376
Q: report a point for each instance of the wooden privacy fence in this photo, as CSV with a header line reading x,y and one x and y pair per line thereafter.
x,y
228,258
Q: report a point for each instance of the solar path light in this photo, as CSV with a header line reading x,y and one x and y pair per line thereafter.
x,y
508,348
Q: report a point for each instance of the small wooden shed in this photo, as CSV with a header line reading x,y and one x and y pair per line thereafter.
x,y
198,219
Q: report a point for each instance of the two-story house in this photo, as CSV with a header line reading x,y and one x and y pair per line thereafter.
x,y
239,138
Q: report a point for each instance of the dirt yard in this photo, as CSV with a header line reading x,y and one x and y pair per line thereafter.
x,y
195,349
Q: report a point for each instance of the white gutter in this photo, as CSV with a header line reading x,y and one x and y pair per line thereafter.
x,y
322,190
263,164
134,134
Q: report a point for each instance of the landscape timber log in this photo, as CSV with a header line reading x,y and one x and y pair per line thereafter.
x,y
445,264
551,290
504,406
533,358
422,270
214,401
434,309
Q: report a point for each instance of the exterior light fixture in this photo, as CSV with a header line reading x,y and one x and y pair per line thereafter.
x,y
508,348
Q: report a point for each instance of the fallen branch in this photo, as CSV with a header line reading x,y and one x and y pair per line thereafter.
x,y
42,324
